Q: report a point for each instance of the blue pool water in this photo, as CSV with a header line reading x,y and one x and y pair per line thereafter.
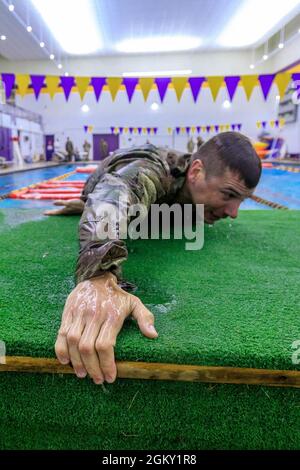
x,y
278,186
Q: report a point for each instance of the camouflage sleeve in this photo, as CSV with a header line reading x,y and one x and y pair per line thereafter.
x,y
136,183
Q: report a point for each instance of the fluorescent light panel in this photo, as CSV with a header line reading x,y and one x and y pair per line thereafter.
x,y
253,20
72,23
160,73
159,44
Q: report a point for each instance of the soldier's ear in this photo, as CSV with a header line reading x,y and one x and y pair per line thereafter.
x,y
196,171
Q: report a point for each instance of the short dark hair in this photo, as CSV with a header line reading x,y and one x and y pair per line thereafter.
x,y
230,150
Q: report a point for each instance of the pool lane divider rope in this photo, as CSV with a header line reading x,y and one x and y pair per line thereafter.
x,y
291,169
161,371
35,185
272,204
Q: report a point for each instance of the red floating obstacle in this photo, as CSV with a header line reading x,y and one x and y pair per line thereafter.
x,y
267,165
86,169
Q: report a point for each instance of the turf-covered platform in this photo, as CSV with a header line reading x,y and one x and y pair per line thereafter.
x,y
235,303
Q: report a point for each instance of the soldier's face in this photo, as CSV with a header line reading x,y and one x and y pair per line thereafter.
x,y
221,195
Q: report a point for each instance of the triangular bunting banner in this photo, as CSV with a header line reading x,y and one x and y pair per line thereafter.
x,y
9,83
98,84
177,130
282,80
162,86
22,82
82,85
195,85
215,84
146,85
114,84
179,84
231,84
67,84
266,83
85,128
130,84
37,83
249,82
52,83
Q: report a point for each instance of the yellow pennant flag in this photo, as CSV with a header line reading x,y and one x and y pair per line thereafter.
x,y
203,128
258,124
22,81
90,129
193,129
179,84
125,130
222,127
281,122
227,127
146,85
249,82
114,84
282,80
182,130
116,130
215,84
170,130
212,128
272,123
52,83
82,85
144,130
135,130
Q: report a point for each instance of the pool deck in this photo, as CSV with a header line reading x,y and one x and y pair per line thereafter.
x,y
38,166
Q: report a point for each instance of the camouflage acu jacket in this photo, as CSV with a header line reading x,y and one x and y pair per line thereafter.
x,y
144,175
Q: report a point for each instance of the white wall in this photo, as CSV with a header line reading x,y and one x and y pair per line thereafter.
x,y
67,119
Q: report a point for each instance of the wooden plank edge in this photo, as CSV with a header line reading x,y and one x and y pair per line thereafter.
x,y
160,371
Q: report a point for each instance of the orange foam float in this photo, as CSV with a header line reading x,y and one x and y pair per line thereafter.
x,y
267,165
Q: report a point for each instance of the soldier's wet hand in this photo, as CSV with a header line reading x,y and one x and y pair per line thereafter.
x,y
93,316
70,207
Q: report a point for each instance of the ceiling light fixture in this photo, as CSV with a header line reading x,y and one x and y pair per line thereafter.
x,y
159,73
59,66
239,31
80,35
11,7
29,29
281,45
85,108
159,44
52,57
3,37
252,66
42,44
265,57
226,104
66,74
154,106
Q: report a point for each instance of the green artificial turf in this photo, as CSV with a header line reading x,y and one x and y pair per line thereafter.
x,y
234,303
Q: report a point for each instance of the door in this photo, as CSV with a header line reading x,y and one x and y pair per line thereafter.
x,y
103,144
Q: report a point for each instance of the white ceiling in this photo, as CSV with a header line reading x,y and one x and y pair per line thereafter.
x,y
118,20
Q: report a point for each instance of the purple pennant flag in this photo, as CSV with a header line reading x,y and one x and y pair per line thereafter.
x,y
217,128
198,129
9,83
162,85
112,129
266,83
98,84
264,123
139,130
231,84
177,130
196,84
121,130
296,80
233,127
37,83
276,123
130,130
187,130
148,130
85,128
207,128
130,84
239,126
67,83
155,130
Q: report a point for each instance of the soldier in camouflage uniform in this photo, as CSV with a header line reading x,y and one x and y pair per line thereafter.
x,y
225,172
